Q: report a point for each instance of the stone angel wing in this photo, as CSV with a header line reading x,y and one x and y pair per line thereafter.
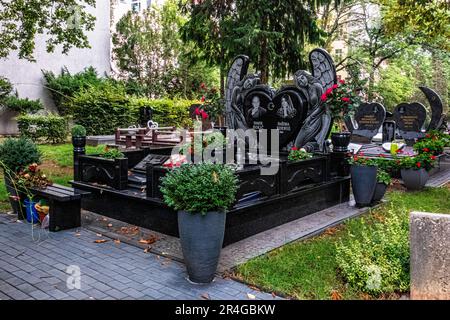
x,y
236,73
323,67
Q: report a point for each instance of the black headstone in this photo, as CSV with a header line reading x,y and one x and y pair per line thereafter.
x,y
284,110
369,118
410,118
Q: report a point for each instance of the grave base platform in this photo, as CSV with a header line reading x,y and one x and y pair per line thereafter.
x,y
244,220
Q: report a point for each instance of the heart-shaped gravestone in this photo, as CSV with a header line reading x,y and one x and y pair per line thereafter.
x,y
285,110
368,118
410,118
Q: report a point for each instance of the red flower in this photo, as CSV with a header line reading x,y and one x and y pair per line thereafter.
x,y
428,135
203,99
399,151
345,99
426,150
329,91
355,158
197,111
361,154
323,97
204,115
294,148
433,157
418,164
335,86
202,85
342,81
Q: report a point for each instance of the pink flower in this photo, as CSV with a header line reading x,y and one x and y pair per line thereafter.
x,y
197,111
329,91
294,148
323,97
345,99
204,115
335,86
342,81
418,164
203,99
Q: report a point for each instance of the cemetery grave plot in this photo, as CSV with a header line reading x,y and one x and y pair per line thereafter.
x,y
297,189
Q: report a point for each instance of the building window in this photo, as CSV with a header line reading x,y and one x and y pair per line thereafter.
x,y
338,53
136,5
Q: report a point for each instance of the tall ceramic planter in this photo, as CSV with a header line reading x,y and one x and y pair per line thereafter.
x,y
380,190
414,179
364,182
340,141
201,239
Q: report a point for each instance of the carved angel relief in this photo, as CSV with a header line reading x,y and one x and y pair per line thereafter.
x,y
296,111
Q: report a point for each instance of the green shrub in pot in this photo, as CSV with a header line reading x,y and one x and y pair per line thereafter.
x,y
78,131
201,193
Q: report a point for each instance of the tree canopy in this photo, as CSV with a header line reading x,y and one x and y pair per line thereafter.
x,y
63,22
272,33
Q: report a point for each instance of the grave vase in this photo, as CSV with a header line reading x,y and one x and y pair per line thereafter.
x,y
364,182
340,141
201,238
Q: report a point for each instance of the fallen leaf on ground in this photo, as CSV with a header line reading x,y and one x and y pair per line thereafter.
x,y
100,241
254,288
205,296
150,240
335,295
251,296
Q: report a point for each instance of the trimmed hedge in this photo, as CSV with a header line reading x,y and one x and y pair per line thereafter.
x,y
51,128
103,108
22,105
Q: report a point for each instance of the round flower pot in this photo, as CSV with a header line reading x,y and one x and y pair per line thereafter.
x,y
340,141
380,190
414,179
201,238
79,143
15,198
364,182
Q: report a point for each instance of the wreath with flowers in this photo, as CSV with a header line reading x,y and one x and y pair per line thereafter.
x,y
342,100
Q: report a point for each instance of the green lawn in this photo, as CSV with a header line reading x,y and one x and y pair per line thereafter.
x,y
57,164
308,269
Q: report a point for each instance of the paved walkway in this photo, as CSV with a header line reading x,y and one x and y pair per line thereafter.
x,y
33,265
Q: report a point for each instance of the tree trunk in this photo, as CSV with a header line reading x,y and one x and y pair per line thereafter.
x,y
222,81
264,61
371,84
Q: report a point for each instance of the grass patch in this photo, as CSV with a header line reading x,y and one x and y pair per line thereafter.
x,y
62,154
308,269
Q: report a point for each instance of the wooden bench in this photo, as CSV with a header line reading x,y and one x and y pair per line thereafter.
x,y
65,206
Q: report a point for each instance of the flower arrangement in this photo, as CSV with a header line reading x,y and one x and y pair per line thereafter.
x,y
361,160
425,161
212,104
32,176
299,154
342,100
434,143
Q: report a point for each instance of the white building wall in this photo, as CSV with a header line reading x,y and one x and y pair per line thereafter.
x,y
27,76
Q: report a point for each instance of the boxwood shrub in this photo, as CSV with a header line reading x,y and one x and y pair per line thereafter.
x,y
51,128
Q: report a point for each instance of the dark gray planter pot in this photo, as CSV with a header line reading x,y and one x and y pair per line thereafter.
x,y
364,181
380,190
201,241
414,179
